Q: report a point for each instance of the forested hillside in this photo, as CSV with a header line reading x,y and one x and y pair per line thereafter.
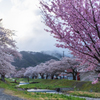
x,y
31,59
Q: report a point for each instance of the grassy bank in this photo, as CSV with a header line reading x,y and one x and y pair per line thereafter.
x,y
52,84
85,94
80,88
10,88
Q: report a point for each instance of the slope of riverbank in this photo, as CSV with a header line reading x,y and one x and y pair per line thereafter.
x,y
10,89
79,88
63,83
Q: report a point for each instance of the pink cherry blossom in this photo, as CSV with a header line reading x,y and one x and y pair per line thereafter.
x,y
95,81
53,67
76,25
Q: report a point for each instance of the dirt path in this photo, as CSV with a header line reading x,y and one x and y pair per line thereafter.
x,y
87,98
4,96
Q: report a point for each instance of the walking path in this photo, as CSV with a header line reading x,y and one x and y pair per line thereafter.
x,y
87,98
4,96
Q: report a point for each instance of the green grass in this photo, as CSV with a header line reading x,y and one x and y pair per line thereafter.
x,y
92,89
52,84
41,86
85,94
48,84
10,89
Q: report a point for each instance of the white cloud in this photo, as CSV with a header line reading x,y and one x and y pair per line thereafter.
x,y
0,0
23,16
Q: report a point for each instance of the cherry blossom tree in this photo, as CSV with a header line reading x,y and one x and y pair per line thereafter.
x,y
32,72
8,51
48,68
76,26
55,67
72,67
28,72
43,69
20,73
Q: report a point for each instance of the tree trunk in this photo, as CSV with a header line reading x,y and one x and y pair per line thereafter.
x,y
46,76
56,76
63,76
3,78
52,76
36,77
33,77
42,76
74,75
60,77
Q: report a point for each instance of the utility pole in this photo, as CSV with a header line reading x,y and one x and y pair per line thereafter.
x,y
63,53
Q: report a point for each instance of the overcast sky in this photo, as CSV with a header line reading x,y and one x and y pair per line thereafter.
x,y
24,17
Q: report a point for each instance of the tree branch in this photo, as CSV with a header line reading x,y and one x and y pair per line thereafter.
x,y
94,19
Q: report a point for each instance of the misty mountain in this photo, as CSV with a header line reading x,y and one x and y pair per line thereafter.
x,y
32,59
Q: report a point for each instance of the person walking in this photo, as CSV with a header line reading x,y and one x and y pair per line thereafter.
x,y
28,79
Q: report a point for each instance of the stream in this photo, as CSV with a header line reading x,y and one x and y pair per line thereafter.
x,y
37,90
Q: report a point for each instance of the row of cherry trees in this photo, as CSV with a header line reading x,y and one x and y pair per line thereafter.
x,y
50,68
8,51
